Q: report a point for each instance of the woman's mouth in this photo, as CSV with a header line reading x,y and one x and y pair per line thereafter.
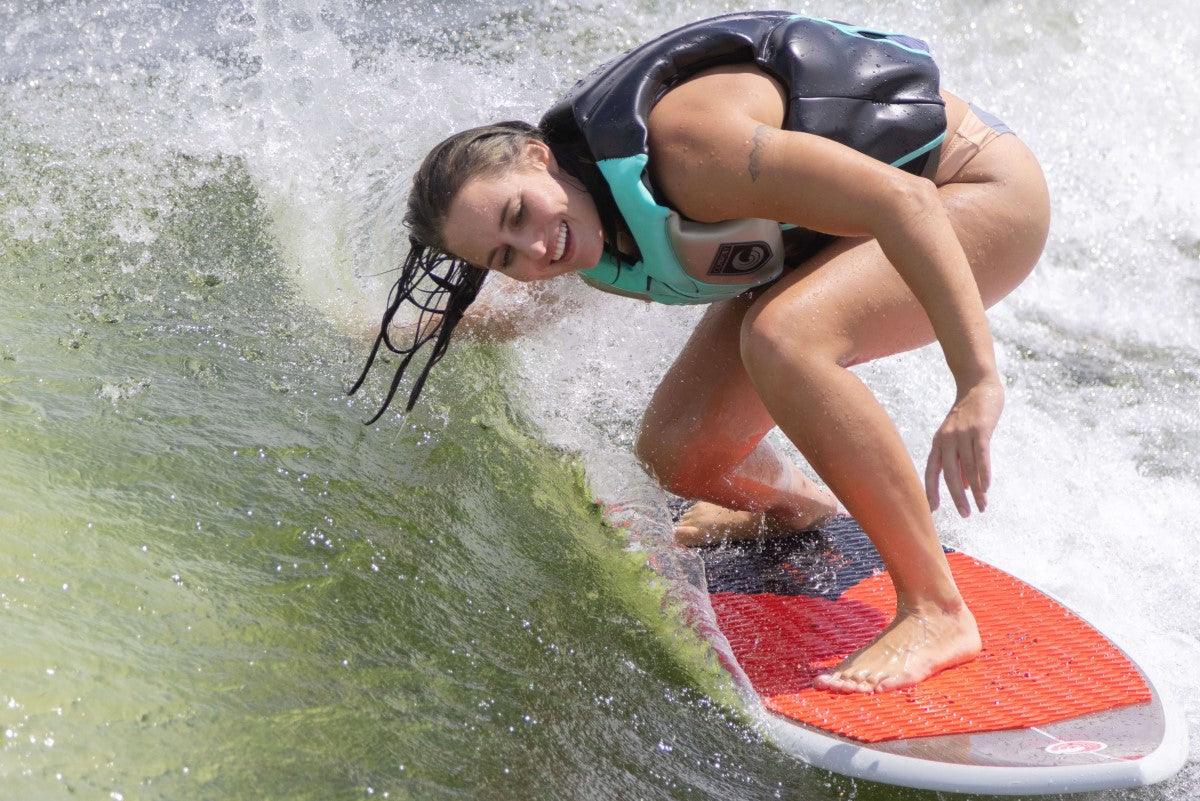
x,y
564,239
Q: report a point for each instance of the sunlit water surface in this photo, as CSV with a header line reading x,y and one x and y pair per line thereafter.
x,y
216,583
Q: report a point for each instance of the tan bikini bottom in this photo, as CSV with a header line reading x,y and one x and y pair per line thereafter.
x,y
977,131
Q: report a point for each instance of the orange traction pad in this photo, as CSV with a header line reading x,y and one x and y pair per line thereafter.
x,y
1040,662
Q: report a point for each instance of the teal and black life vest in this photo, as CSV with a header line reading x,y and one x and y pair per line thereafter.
x,y
872,91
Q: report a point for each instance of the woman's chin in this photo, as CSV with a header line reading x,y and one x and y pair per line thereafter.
x,y
566,269
585,260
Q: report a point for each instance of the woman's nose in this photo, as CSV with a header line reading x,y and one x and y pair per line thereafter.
x,y
531,245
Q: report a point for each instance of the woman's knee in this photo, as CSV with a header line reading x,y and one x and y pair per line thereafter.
x,y
788,335
667,465
683,457
650,452
660,448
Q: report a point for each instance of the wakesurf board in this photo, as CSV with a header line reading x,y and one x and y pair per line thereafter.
x,y
1051,704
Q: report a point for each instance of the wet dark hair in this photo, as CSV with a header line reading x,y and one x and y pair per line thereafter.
x,y
441,286
441,308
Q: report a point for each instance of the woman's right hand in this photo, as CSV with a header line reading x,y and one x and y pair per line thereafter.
x,y
961,447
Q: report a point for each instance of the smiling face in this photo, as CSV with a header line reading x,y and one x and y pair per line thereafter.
x,y
527,223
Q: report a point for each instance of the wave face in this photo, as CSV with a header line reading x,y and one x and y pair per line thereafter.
x,y
216,583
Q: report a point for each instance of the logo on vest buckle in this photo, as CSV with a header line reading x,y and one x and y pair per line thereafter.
x,y
740,258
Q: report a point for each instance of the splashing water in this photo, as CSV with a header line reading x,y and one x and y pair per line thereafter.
x,y
216,583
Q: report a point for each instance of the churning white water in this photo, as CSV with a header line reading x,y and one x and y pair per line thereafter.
x,y
1096,489
329,106
1096,493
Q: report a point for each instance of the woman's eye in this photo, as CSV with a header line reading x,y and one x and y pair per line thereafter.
x,y
519,215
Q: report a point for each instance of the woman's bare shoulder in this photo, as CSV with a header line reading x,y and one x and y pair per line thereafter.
x,y
711,96
695,131
718,152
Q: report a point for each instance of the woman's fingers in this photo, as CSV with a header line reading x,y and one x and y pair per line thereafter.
x,y
963,460
933,469
961,448
969,462
983,472
952,470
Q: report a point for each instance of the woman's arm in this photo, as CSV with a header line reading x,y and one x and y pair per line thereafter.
x,y
504,310
738,163
507,309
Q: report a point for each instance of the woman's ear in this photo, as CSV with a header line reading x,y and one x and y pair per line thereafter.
x,y
538,152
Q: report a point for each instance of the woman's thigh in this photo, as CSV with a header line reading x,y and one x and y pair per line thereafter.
x,y
849,298
706,415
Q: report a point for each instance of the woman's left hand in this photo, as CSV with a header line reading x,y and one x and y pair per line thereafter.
x,y
961,446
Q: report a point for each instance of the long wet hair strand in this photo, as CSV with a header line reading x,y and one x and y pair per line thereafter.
x,y
441,287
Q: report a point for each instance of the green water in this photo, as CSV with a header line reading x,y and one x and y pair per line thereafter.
x,y
217,583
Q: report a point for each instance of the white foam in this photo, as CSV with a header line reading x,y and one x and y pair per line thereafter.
x,y
1096,484
1095,460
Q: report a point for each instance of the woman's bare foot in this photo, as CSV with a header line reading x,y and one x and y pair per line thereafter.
x,y
917,644
707,523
